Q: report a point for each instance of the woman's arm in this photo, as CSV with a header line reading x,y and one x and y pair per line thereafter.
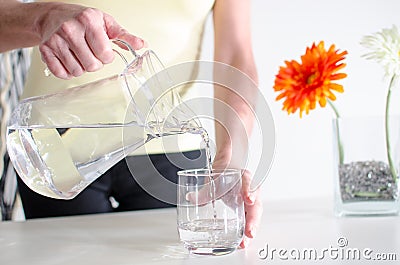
x,y
233,46
18,24
72,39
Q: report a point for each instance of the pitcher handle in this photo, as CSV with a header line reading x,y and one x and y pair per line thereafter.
x,y
129,47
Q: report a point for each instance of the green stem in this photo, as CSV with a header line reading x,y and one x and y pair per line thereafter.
x,y
334,109
388,148
341,152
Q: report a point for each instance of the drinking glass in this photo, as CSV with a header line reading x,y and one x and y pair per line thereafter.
x,y
210,210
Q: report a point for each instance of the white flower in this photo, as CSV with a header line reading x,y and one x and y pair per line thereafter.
x,y
385,49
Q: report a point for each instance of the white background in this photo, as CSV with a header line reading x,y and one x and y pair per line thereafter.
x,y
282,30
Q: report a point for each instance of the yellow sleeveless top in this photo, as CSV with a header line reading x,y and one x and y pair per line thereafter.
x,y
173,29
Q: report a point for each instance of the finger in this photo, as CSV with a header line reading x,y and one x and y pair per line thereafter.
x,y
53,63
60,48
248,197
253,218
81,50
87,59
71,63
245,242
136,42
91,45
99,42
115,31
84,55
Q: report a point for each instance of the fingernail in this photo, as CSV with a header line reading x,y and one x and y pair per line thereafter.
x,y
251,198
245,242
252,232
141,42
68,77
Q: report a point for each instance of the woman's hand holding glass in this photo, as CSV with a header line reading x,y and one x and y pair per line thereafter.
x,y
253,206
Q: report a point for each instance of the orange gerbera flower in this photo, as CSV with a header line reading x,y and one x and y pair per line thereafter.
x,y
306,83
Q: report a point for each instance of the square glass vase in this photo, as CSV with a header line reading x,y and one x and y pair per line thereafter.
x,y
366,165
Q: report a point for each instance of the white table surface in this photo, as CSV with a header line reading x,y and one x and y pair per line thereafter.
x,y
150,237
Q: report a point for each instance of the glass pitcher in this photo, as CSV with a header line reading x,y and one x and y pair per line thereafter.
x,y
62,142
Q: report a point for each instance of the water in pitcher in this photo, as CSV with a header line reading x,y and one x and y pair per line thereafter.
x,y
60,163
